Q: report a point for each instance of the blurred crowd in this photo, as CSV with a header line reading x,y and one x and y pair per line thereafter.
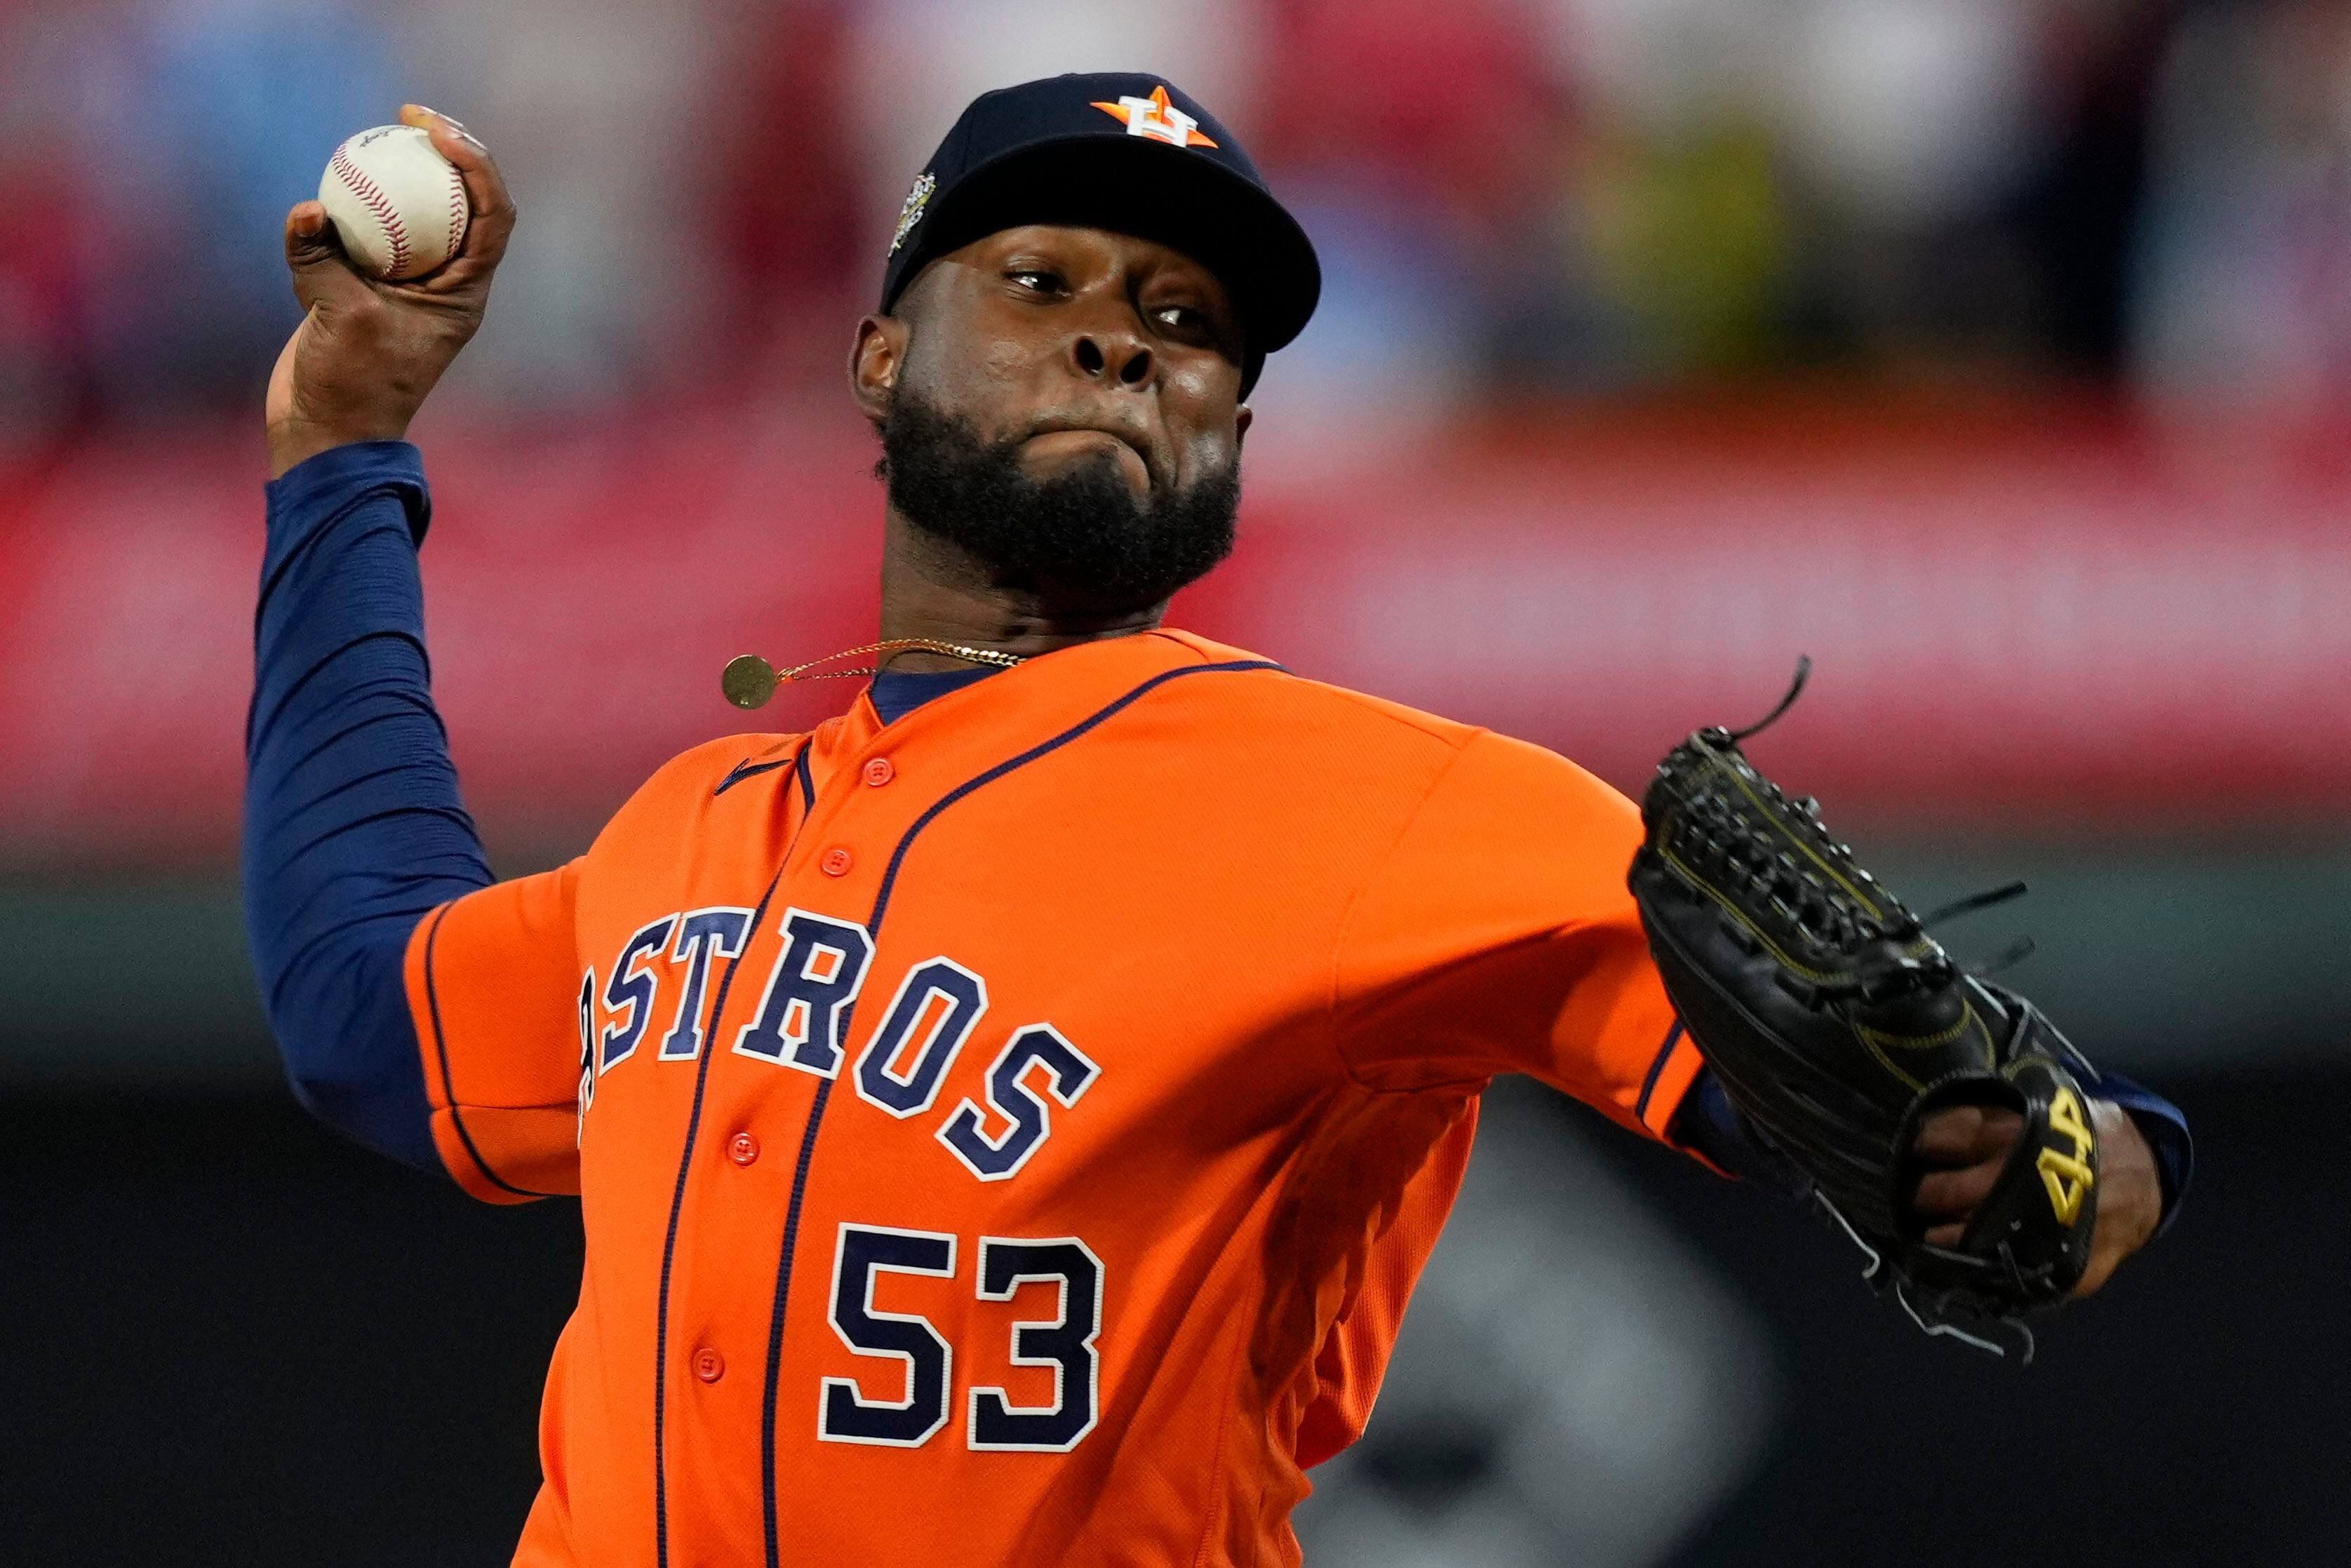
x,y
1510,195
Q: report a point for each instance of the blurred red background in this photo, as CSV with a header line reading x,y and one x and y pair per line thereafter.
x,y
2023,613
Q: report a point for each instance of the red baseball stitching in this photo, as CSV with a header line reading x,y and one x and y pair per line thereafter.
x,y
357,182
458,213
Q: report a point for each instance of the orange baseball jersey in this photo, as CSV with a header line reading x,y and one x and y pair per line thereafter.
x,y
1011,1135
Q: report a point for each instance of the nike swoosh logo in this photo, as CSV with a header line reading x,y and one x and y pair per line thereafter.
x,y
747,769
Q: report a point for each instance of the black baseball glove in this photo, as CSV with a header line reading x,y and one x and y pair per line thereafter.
x,y
1837,1025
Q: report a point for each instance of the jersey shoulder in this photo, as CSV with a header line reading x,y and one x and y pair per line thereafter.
x,y
1381,732
682,790
1363,719
702,771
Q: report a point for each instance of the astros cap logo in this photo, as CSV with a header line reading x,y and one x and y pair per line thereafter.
x,y
1157,118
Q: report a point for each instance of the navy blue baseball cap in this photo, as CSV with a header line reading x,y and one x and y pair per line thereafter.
x,y
1121,152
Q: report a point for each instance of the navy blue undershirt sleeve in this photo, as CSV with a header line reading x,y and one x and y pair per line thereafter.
x,y
2165,1128
353,827
1706,1124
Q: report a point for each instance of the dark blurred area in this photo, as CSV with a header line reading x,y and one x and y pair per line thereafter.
x,y
1997,353
246,1342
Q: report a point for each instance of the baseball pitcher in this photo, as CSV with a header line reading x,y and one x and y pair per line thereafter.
x,y
1007,1119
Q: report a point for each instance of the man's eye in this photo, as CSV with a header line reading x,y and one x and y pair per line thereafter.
x,y
1183,317
1037,279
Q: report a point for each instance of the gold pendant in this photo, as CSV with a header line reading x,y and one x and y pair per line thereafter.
x,y
748,680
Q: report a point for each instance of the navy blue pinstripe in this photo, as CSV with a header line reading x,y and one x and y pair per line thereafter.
x,y
685,1165
1656,1069
441,1055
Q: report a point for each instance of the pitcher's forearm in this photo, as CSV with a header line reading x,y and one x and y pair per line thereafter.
x,y
354,827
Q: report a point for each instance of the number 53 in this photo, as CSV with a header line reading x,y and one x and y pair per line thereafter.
x,y
1064,1342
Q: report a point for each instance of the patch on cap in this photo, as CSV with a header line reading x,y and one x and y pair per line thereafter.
x,y
912,212
1157,118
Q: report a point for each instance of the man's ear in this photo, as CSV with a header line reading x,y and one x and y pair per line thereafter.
x,y
875,363
1241,417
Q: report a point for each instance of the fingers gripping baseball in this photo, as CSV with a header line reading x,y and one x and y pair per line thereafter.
x,y
493,210
368,349
314,254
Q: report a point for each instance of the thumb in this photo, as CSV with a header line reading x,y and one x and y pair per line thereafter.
x,y
314,254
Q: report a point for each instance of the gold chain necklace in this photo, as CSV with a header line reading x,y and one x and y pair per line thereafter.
x,y
748,680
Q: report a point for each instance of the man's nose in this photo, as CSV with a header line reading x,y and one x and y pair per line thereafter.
x,y
1106,354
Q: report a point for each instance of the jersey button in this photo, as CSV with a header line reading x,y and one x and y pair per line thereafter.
x,y
708,1365
742,1148
879,771
837,862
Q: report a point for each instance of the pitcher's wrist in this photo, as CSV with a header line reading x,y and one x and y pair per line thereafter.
x,y
298,441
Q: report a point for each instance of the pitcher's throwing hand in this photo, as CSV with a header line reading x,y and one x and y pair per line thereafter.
x,y
368,349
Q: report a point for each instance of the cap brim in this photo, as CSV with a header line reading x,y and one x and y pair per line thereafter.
x,y
1148,188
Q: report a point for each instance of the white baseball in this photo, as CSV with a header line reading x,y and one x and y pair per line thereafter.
x,y
397,204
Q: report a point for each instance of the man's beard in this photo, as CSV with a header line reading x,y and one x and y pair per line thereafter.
x,y
1081,533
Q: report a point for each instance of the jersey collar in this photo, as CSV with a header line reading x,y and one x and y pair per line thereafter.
x,y
989,721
